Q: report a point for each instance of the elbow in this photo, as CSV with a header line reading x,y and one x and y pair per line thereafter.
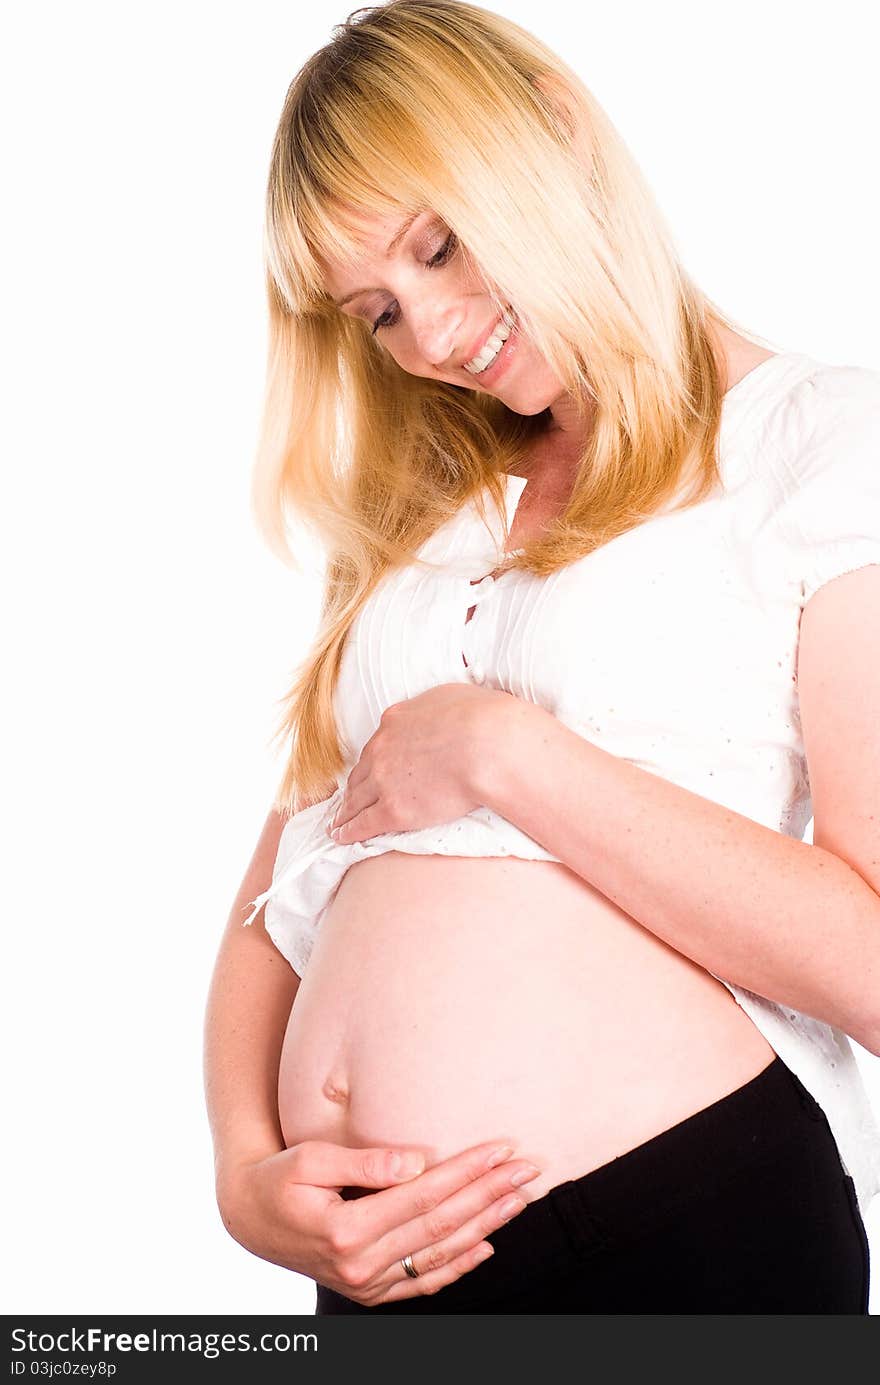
x,y
870,1039
866,995
866,1030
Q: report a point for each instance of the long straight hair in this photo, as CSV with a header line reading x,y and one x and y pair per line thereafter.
x,y
416,105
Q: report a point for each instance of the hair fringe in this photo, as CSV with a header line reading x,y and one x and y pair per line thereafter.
x,y
371,460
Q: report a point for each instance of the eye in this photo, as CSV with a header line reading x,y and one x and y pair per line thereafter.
x,y
445,253
387,319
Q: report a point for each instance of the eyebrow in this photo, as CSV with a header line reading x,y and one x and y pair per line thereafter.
x,y
392,246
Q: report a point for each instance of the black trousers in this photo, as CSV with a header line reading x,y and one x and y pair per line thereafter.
x,y
743,1207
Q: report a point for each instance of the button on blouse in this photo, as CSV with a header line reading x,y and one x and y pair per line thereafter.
x,y
674,646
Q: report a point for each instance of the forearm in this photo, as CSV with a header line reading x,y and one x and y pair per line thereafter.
x,y
780,917
251,993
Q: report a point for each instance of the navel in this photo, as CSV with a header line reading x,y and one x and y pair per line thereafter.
x,y
335,1088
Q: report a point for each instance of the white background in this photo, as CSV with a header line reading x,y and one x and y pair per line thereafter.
x,y
149,634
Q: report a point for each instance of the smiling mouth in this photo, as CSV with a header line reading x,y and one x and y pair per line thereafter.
x,y
493,344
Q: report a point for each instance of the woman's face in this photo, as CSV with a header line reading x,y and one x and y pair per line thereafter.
x,y
434,316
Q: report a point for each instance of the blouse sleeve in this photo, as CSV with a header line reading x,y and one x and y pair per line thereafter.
x,y
830,512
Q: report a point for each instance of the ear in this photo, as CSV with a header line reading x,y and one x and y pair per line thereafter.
x,y
564,111
559,99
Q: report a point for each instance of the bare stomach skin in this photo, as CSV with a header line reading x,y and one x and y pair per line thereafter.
x,y
450,1001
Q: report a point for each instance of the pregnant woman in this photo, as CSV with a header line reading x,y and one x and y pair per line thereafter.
x,y
544,1003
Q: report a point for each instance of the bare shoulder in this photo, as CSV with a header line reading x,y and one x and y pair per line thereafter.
x,y
741,356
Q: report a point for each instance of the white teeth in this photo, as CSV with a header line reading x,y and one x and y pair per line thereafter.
x,y
493,344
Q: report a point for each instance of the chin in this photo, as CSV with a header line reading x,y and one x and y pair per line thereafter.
x,y
526,412
531,403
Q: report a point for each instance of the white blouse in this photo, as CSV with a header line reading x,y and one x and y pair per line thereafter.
x,y
674,646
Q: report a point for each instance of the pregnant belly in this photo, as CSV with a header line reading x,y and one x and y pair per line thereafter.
x,y
449,1001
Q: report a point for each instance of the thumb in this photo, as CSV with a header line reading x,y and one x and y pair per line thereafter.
x,y
326,1165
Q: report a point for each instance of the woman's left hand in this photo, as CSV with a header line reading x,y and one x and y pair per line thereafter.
x,y
424,763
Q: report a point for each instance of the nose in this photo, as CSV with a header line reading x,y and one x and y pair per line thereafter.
x,y
437,329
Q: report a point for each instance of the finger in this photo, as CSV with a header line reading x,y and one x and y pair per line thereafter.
x,y
356,797
438,1279
324,1165
446,1260
477,1176
361,825
360,770
482,1207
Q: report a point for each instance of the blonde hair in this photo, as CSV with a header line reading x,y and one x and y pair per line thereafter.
x,y
415,105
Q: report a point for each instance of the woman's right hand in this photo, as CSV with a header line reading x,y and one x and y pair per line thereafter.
x,y
288,1208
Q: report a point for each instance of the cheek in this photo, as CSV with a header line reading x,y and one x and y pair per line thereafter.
x,y
406,355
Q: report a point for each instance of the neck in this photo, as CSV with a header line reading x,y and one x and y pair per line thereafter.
x,y
568,429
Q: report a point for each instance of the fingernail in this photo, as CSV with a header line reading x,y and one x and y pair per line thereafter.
x,y
523,1175
407,1165
510,1206
498,1156
482,1253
